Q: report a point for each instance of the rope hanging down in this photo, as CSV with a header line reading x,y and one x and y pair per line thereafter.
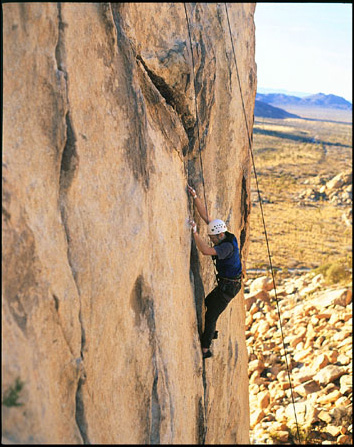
x,y
257,185
263,220
196,110
197,124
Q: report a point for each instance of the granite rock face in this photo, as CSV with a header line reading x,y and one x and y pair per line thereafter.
x,y
103,287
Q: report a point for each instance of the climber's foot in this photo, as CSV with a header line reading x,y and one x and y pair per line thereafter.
x,y
207,353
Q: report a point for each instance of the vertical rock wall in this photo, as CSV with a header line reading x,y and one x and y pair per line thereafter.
x,y
102,286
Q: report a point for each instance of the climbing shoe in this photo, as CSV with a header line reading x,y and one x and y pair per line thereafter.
x,y
207,354
216,334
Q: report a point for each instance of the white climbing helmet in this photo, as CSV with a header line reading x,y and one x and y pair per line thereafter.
x,y
216,226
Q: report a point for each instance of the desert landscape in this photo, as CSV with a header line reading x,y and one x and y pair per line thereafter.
x,y
305,179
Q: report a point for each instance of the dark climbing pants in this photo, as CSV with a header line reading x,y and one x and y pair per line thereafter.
x,y
216,302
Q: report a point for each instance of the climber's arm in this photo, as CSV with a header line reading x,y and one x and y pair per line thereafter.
x,y
201,209
203,246
198,203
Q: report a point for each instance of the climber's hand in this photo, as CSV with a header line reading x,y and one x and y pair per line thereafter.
x,y
192,192
193,225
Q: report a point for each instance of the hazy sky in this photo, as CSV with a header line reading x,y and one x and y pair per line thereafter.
x,y
305,47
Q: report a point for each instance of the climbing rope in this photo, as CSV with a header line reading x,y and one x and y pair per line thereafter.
x,y
206,207
257,186
196,111
263,220
198,132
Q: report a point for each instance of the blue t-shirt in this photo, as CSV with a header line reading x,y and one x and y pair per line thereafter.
x,y
224,250
228,263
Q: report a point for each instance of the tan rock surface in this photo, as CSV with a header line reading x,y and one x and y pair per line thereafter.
x,y
102,290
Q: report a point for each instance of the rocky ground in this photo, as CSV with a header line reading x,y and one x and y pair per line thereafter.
x,y
337,190
316,322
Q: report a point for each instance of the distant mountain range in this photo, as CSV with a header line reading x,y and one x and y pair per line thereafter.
x,y
279,90
267,111
272,105
318,100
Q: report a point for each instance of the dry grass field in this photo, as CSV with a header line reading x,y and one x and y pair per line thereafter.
x,y
322,114
290,156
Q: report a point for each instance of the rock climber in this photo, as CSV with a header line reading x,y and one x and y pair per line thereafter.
x,y
226,254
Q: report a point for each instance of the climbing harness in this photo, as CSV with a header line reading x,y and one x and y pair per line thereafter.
x,y
237,279
263,220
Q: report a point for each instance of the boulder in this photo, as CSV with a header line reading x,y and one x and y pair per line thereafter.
x,y
306,388
324,416
344,439
263,399
346,384
306,413
256,378
344,359
336,182
249,300
263,328
332,356
343,335
329,374
256,365
318,279
329,398
295,338
281,435
343,400
290,288
333,430
256,417
262,283
281,415
302,354
254,296
320,362
304,374
341,297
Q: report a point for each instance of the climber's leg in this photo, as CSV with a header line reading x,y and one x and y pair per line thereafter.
x,y
215,303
